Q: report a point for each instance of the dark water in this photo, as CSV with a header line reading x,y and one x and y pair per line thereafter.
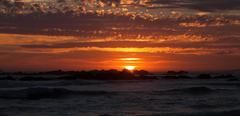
x,y
120,98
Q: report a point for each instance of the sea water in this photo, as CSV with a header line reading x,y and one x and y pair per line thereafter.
x,y
180,97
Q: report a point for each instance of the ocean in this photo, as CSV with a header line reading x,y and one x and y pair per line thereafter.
x,y
180,97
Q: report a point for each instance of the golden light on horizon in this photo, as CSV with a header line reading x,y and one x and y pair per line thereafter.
x,y
130,68
130,59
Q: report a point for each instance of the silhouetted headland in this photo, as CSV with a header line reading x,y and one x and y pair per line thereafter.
x,y
187,75
73,75
111,75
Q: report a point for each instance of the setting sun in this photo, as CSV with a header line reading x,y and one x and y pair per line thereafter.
x,y
130,67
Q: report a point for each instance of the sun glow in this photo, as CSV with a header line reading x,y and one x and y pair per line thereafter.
x,y
130,59
130,68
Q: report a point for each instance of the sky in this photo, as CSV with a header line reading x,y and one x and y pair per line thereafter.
x,y
155,35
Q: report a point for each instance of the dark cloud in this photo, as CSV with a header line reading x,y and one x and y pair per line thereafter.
x,y
76,6
137,44
202,5
87,25
12,6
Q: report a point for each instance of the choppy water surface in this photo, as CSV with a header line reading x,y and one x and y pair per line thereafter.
x,y
93,98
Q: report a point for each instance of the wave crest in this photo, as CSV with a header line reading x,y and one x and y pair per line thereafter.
x,y
42,92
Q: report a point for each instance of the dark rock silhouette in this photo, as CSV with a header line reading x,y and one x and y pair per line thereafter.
x,y
176,75
224,76
87,75
112,74
204,76
177,72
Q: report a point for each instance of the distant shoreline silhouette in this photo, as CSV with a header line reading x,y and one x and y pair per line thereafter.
x,y
111,74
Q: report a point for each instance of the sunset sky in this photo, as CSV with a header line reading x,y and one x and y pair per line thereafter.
x,y
155,35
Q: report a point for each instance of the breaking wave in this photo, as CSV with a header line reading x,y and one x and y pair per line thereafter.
x,y
189,90
42,92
